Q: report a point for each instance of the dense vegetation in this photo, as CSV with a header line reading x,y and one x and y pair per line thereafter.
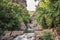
x,y
47,36
48,13
11,15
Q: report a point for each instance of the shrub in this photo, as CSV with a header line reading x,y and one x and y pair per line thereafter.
x,y
47,36
11,15
48,13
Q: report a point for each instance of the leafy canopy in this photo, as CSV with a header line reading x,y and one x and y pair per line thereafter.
x,y
48,13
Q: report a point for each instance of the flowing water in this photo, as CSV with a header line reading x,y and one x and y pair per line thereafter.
x,y
31,26
26,36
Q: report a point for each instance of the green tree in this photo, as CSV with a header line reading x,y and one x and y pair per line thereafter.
x,y
11,15
48,13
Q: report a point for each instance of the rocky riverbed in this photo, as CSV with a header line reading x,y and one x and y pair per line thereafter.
x,y
26,36
20,35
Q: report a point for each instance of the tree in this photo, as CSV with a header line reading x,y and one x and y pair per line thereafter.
x,y
11,15
49,13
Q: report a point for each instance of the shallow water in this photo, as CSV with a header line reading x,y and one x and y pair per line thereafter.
x,y
27,36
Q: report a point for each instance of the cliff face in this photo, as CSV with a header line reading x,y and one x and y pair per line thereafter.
x,y
21,2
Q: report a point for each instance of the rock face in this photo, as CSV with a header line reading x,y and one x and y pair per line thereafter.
x,y
57,38
10,35
21,2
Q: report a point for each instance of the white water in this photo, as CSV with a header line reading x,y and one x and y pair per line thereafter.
x,y
28,36
31,4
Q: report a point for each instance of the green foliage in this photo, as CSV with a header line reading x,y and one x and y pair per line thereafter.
x,y
11,15
1,31
25,16
47,36
48,13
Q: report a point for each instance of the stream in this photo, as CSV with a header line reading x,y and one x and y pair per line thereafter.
x,y
31,6
26,36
